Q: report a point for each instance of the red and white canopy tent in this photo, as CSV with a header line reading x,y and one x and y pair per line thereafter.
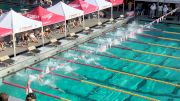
x,y
66,11
115,3
102,4
44,16
84,6
17,23
5,32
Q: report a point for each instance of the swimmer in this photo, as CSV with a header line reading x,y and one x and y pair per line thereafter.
x,y
55,88
80,76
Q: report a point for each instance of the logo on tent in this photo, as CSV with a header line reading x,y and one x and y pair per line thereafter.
x,y
32,16
47,16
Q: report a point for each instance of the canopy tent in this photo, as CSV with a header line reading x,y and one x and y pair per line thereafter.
x,y
102,4
84,6
45,16
116,2
5,32
67,11
163,1
18,23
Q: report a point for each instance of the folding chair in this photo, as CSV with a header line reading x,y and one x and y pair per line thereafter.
x,y
55,42
6,60
72,36
33,50
87,30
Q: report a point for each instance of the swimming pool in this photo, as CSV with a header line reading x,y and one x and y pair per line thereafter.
x,y
104,69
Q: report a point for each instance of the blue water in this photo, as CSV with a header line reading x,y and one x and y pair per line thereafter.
x,y
81,91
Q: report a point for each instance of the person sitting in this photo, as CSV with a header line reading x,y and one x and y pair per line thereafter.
x,y
31,97
62,29
2,45
25,39
47,32
32,37
4,97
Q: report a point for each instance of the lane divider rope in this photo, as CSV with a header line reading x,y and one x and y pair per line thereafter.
x,y
99,85
118,71
129,60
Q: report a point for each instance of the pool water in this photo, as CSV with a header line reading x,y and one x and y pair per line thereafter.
x,y
104,72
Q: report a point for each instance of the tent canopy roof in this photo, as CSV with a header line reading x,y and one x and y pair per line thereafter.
x,y
17,22
5,32
102,4
116,2
45,16
65,10
85,6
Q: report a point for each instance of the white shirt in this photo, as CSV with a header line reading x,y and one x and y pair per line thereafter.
x,y
165,9
160,8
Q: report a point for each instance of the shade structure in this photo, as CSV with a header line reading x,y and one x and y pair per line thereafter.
x,y
44,16
65,10
84,6
102,4
17,22
116,2
5,32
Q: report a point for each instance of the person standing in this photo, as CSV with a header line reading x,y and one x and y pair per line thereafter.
x,y
178,11
130,5
165,9
160,9
152,11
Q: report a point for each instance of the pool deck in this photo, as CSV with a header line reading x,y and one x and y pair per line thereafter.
x,y
22,61
173,21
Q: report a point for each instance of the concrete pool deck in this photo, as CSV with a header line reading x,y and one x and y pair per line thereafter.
x,y
22,61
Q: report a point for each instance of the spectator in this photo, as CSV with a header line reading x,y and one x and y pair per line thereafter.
x,y
1,12
3,97
152,11
178,11
160,8
32,37
47,32
2,47
49,2
130,5
165,9
31,97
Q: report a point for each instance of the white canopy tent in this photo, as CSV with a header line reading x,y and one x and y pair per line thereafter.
x,y
18,23
67,11
102,4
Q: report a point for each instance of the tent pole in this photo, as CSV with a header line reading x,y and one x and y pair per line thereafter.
x,y
98,17
83,23
111,12
65,31
123,8
42,35
134,5
14,44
